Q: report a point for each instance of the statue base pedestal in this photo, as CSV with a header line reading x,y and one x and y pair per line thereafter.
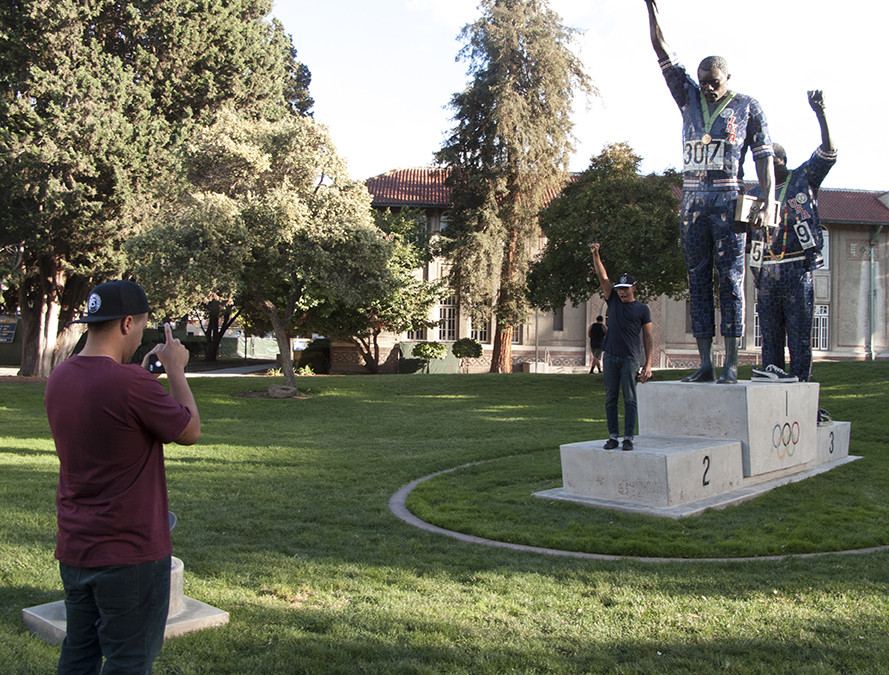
x,y
186,615
706,446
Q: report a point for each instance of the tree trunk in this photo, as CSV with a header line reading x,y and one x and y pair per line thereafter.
x,y
44,344
212,335
218,322
369,352
501,359
283,340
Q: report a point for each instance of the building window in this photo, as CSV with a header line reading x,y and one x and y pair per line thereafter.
x,y
517,335
419,334
820,321
559,319
447,314
825,248
482,333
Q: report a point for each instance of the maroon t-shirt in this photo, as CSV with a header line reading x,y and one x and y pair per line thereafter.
x,y
109,422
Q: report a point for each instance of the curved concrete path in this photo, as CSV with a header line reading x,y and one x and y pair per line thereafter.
x,y
398,506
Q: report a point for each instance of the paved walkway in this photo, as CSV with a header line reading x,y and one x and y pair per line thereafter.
x,y
10,371
398,507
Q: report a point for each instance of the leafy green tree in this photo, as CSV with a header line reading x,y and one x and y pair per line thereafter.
x,y
303,232
94,96
508,155
635,219
466,348
405,303
185,263
75,142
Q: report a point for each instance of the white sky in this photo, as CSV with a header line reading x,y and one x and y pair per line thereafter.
x,y
383,72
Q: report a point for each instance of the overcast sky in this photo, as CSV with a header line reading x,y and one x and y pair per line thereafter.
x,y
384,71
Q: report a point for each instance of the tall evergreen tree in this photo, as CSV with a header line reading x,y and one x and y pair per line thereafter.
x,y
94,96
508,155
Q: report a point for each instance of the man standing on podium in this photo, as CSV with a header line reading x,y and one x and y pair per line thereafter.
x,y
626,350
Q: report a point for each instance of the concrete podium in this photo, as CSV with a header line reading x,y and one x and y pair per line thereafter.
x,y
186,615
706,445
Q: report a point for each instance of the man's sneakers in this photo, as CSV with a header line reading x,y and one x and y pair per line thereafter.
x,y
824,418
610,444
627,444
772,373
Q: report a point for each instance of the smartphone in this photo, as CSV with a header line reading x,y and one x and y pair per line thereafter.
x,y
154,363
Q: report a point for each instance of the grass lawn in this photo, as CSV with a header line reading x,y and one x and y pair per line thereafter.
x,y
284,523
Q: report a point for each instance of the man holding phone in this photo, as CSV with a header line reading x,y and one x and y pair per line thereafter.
x,y
109,419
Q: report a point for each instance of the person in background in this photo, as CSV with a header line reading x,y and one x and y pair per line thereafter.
x,y
597,336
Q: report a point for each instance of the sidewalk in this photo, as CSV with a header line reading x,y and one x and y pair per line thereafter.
x,y
235,371
11,371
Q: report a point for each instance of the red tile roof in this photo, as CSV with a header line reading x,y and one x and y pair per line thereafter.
x,y
424,187
852,206
421,187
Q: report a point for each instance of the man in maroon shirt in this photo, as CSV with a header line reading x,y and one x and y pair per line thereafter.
x,y
109,419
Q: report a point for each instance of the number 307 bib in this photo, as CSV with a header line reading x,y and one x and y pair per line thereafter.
x,y
700,156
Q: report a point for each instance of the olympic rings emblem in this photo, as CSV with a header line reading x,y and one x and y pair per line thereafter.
x,y
784,439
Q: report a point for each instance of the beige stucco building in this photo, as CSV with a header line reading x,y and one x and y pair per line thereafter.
x,y
851,294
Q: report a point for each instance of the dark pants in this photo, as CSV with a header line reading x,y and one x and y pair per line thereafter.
x,y
620,374
116,612
786,304
708,240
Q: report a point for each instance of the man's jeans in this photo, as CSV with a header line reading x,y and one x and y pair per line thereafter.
x,y
620,374
116,612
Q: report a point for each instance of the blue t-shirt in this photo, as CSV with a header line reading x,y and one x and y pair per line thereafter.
x,y
625,321
798,234
716,163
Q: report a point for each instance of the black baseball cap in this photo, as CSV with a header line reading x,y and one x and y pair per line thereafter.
x,y
625,281
114,300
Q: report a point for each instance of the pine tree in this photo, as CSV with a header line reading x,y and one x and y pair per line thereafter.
x,y
508,155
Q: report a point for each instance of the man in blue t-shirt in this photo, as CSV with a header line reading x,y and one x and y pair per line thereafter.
x,y
718,127
626,350
783,256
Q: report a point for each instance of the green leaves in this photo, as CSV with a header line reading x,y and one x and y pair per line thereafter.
x,y
634,218
95,98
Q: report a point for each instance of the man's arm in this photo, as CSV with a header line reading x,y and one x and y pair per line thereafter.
x,y
604,281
765,172
647,346
816,101
657,36
174,357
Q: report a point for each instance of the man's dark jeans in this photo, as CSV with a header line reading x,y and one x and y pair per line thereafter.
x,y
620,374
116,612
